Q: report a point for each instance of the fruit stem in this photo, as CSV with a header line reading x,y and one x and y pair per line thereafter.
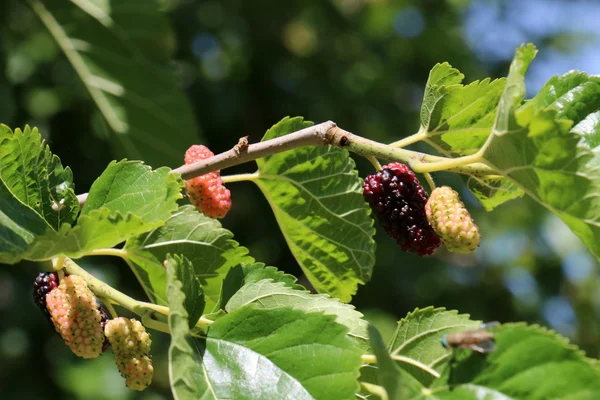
x,y
240,177
375,390
375,162
109,307
430,181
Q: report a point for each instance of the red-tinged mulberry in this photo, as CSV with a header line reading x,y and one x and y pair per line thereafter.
x,y
207,191
452,221
131,346
76,317
398,201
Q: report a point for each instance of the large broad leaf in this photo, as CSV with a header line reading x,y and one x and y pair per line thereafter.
x,y
316,196
269,294
36,177
263,354
417,341
118,51
529,363
538,152
203,241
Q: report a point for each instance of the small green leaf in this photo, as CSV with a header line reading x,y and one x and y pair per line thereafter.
x,y
124,63
418,337
19,226
456,118
98,229
299,355
493,191
36,177
241,275
132,187
184,364
183,270
208,246
269,294
388,373
316,196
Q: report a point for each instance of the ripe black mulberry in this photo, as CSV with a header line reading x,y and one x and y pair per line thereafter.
x,y
398,201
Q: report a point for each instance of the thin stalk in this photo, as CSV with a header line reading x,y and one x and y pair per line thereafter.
x,y
240,177
110,252
409,140
109,307
328,134
375,390
417,364
375,162
430,181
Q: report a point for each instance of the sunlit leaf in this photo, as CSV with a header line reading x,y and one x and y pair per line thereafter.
x,y
540,153
119,51
202,240
455,118
316,196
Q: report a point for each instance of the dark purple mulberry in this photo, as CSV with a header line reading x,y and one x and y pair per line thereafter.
x,y
44,283
398,201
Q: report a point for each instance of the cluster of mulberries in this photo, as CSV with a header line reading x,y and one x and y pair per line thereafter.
x,y
451,221
417,222
71,308
131,346
398,201
207,191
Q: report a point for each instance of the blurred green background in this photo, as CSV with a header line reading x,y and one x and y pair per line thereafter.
x,y
361,63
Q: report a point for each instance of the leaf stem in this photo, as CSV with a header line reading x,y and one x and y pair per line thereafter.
x,y
369,358
409,140
376,390
429,180
109,252
240,177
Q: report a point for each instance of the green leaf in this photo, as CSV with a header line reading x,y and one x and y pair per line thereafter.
x,y
269,294
99,229
124,64
457,119
128,199
493,191
417,340
241,275
539,153
183,270
529,363
184,364
36,177
299,355
388,373
208,246
19,226
132,187
316,196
